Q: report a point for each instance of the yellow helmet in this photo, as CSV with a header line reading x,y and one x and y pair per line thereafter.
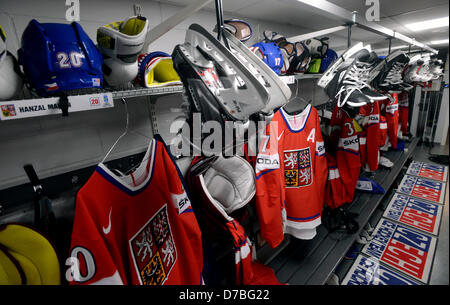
x,y
33,253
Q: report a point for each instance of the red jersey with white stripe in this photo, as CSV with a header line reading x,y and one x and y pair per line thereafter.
x,y
137,229
390,111
383,131
370,136
291,172
214,221
403,111
344,168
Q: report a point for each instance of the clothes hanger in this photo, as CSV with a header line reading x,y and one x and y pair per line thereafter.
x,y
127,130
296,104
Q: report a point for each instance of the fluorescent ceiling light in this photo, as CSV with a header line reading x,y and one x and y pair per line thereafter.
x,y
428,24
443,41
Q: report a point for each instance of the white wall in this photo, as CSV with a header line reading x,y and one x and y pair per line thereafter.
x,y
55,144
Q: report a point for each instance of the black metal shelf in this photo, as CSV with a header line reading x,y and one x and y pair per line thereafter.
x,y
312,262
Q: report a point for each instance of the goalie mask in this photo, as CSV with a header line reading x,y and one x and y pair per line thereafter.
x,y
59,57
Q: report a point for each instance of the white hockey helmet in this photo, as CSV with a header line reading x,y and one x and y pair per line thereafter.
x,y
117,73
11,83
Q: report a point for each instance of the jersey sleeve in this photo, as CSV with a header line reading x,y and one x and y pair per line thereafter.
x,y
372,133
182,203
269,190
90,260
403,110
321,167
392,119
334,187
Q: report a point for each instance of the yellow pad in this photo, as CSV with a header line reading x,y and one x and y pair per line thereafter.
x,y
2,34
31,244
133,26
356,126
164,71
29,269
114,25
9,275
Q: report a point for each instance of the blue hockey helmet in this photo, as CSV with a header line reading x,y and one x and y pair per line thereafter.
x,y
59,57
270,53
327,60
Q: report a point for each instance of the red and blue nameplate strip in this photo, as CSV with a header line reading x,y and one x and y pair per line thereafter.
x,y
428,171
415,212
368,271
430,190
402,248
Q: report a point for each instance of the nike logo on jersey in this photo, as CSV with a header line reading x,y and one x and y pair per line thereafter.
x,y
279,137
108,228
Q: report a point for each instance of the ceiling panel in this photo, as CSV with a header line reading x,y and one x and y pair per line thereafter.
x,y
394,15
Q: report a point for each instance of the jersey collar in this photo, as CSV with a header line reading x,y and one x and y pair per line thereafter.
x,y
126,183
305,113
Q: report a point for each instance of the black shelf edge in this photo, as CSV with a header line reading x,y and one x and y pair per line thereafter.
x,y
332,260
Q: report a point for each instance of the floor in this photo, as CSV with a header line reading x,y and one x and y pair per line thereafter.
x,y
440,270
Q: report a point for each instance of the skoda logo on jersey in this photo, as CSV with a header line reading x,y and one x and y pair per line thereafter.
x,y
374,118
351,142
267,161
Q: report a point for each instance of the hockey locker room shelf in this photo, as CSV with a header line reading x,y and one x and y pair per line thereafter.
x,y
311,262
25,108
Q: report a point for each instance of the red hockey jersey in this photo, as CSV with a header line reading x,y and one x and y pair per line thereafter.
x,y
403,111
383,131
344,167
369,138
136,229
390,111
215,221
291,173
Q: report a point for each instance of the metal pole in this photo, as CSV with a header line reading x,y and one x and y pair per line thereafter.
x,y
332,11
390,44
349,36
